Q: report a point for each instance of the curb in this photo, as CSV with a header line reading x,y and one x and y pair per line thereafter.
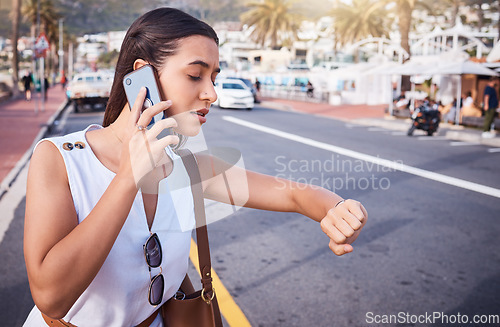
x,y
277,105
473,138
14,173
453,133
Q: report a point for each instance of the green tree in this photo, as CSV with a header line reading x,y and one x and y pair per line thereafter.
x,y
273,21
48,23
213,11
48,14
108,59
359,20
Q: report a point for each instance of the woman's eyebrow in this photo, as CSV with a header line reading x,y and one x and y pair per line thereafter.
x,y
203,64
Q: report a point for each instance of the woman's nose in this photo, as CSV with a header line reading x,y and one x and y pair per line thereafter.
x,y
209,94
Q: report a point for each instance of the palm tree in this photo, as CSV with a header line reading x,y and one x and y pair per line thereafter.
x,y
273,21
404,9
48,15
16,11
48,21
359,20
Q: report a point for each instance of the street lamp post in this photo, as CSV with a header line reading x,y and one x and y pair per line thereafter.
x,y
61,51
41,77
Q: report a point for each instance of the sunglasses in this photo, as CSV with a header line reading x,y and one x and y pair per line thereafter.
x,y
152,253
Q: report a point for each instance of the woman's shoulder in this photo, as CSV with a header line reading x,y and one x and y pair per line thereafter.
x,y
64,143
46,165
48,153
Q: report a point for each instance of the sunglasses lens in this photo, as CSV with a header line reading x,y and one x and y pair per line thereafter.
x,y
153,251
156,290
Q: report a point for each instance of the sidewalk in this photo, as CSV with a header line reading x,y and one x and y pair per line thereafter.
x,y
21,128
375,116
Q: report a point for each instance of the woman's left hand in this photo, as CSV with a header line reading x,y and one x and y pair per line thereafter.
x,y
343,224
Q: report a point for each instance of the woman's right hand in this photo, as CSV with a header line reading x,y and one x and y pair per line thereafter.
x,y
143,155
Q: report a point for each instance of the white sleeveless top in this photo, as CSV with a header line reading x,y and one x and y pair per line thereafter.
x,y
118,295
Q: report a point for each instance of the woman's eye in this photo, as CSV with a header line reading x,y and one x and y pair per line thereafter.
x,y
194,78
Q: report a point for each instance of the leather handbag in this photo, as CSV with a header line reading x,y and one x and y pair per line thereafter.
x,y
190,308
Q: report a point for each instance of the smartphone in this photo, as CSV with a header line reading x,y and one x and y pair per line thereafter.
x,y
144,77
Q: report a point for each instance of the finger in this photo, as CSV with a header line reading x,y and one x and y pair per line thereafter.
x,y
351,220
365,213
161,125
137,106
167,140
340,249
355,208
165,162
343,225
150,112
332,232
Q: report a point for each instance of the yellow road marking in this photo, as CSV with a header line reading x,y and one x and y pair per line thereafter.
x,y
229,309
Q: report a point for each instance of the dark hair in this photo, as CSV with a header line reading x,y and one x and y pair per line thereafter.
x,y
152,37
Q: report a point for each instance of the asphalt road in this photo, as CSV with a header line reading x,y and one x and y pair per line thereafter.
x,y
429,248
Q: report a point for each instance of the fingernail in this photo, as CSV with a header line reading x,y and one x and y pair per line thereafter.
x,y
168,102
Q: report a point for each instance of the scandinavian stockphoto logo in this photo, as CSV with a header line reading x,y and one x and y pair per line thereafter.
x,y
150,166
335,173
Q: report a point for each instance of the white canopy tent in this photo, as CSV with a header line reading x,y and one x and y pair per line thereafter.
x,y
460,68
494,54
413,67
452,63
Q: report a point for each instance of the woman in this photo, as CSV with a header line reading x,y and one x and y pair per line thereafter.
x,y
469,109
92,196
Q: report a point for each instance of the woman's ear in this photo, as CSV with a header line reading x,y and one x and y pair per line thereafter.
x,y
138,63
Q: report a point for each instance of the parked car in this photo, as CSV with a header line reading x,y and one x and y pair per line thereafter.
x,y
90,88
250,85
233,93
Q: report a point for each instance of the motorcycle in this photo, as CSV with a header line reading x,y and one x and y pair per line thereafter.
x,y
425,118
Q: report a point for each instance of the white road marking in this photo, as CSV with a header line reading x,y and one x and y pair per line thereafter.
x,y
11,200
431,138
353,125
494,150
377,129
475,187
463,143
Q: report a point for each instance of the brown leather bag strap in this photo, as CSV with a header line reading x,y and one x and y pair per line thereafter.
x,y
201,231
201,221
55,322
61,323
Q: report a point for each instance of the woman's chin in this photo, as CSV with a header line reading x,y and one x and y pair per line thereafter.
x,y
188,124
189,130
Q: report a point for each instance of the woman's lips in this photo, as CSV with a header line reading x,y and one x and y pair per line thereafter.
x,y
201,113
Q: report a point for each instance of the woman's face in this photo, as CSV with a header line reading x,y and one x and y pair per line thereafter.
x,y
187,79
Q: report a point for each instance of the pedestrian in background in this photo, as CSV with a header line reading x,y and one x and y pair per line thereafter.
x,y
257,90
490,101
27,80
469,109
310,89
94,209
46,88
64,80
